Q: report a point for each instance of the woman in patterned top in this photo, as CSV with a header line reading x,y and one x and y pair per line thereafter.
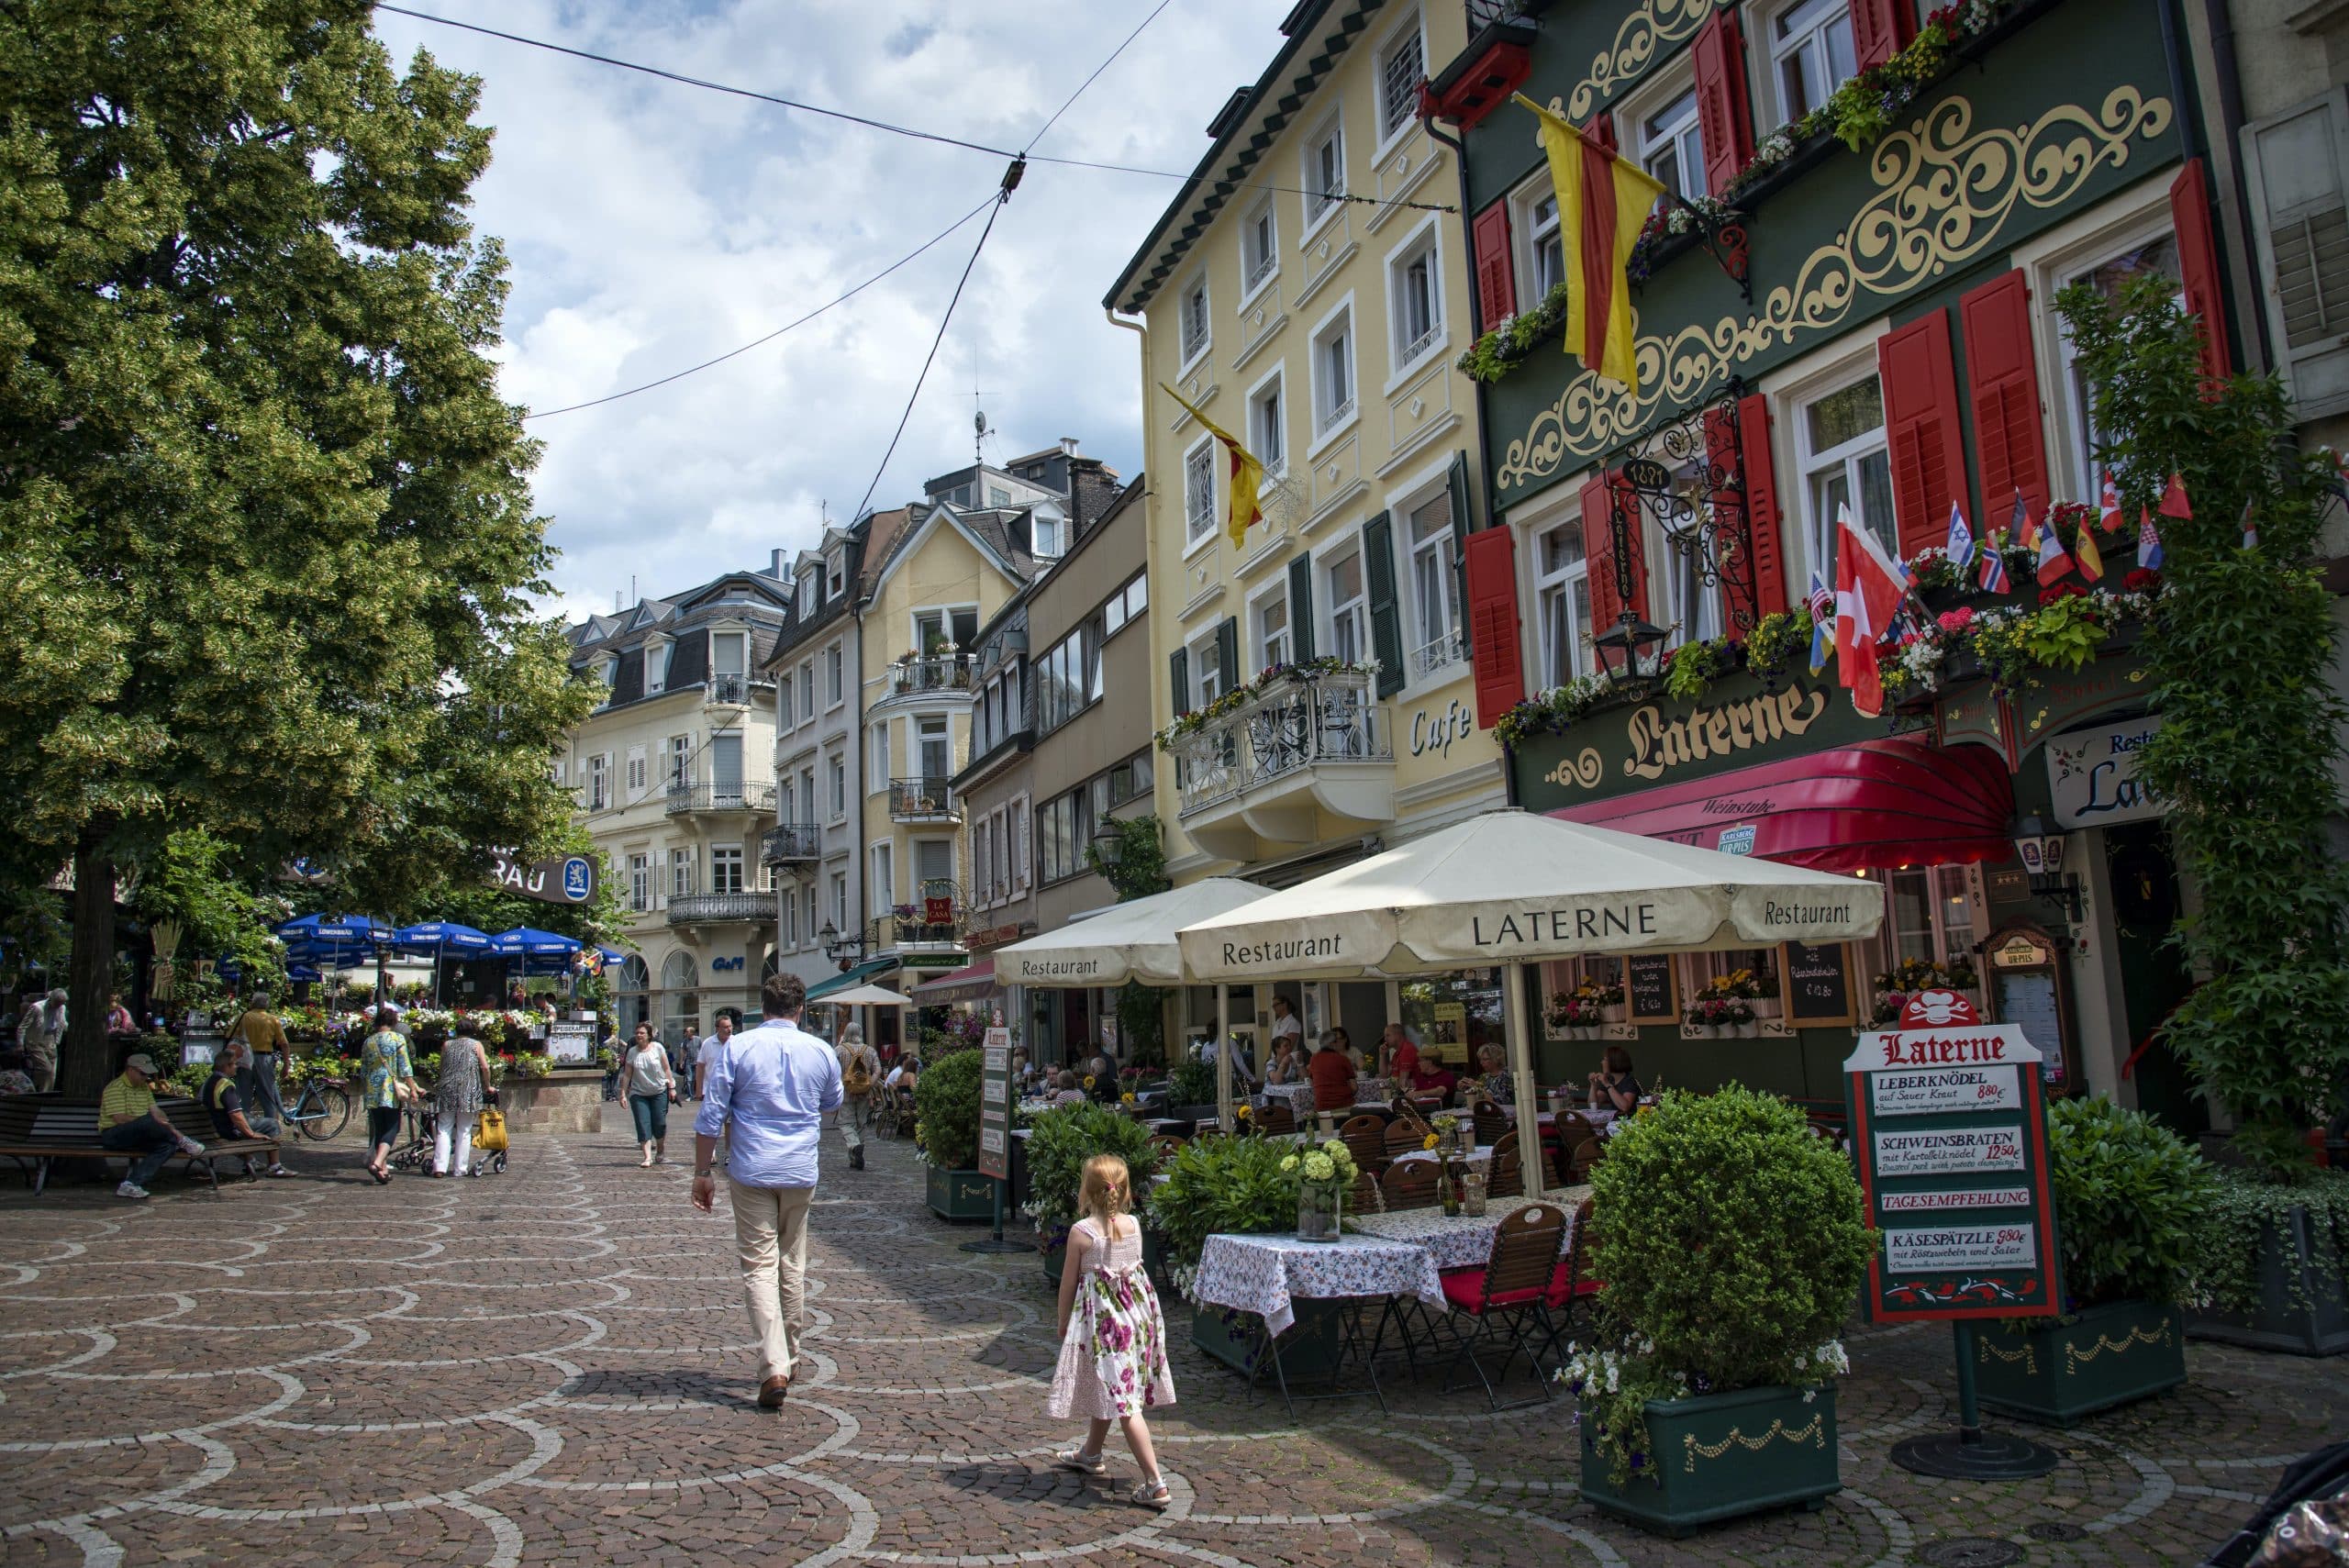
x,y
391,1080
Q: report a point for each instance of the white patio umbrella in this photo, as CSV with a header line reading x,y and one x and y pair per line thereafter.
x,y
1508,887
1134,940
866,996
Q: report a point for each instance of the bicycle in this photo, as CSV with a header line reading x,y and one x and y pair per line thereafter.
x,y
322,1110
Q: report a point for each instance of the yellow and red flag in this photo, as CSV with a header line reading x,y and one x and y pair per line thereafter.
x,y
1247,473
1602,203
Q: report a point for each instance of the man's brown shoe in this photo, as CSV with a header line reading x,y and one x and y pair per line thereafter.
x,y
771,1391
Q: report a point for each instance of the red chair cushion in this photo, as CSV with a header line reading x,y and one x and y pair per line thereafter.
x,y
1559,1293
1463,1290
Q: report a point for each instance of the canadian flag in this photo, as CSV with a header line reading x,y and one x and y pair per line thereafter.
x,y
1869,585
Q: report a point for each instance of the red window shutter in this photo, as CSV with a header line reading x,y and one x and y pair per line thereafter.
x,y
1495,278
2002,382
2198,258
1491,570
1881,28
1921,426
1722,119
1598,548
1744,437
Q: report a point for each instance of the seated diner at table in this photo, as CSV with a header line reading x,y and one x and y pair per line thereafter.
x,y
1399,1054
1428,1075
1613,1087
1066,1093
1493,1081
1285,1067
1332,1073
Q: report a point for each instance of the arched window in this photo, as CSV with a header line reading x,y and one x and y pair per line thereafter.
x,y
680,1004
631,1001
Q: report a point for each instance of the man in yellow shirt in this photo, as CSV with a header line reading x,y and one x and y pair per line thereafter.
x,y
131,1123
266,1037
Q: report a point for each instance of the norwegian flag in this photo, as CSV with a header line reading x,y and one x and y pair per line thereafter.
x,y
1990,574
1869,587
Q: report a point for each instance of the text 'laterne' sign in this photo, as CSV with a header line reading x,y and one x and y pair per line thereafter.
x,y
1949,1123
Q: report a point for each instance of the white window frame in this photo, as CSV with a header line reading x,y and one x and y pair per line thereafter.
x,y
2071,429
920,740
1272,595
840,899
640,884
599,782
1332,129
1276,462
1423,246
740,638
1412,31
722,856
684,870
786,717
1652,100
1329,606
807,691
1529,231
1196,308
1431,653
884,874
1812,46
638,771
881,748
1257,270
835,676
680,757
1944,884
656,667
1558,583
1207,671
1023,854
1819,531
839,785
1699,614
1332,419
1198,478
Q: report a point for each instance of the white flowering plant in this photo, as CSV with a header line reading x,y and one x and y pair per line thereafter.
x,y
1332,1164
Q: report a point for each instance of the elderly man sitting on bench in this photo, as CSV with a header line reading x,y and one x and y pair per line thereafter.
x,y
131,1123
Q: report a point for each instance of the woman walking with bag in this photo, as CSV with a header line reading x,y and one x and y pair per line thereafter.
x,y
457,1100
390,1083
652,1090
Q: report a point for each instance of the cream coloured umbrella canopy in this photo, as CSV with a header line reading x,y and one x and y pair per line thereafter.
x,y
1133,940
1507,886
866,996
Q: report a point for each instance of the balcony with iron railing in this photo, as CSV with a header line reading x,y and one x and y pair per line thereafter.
x,y
709,797
924,800
731,690
793,843
721,908
1440,653
1308,759
937,672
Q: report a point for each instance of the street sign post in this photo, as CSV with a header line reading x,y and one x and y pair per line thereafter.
x,y
1950,1128
995,1131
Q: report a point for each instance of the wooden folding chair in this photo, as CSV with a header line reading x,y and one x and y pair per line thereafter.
x,y
1490,1121
1506,1177
1365,1139
1276,1119
1567,1305
1584,1157
1410,1185
1364,1198
1402,1137
1504,1298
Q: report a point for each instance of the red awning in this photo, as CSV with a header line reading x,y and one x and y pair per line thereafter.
x,y
1878,803
972,983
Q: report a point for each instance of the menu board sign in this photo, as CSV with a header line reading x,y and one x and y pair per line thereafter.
x,y
994,1105
1647,986
1950,1126
1816,984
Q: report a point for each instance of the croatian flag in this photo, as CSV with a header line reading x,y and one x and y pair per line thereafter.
x,y
1822,625
2148,542
1869,585
1961,539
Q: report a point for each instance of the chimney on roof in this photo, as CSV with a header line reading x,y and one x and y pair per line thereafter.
x,y
616,601
1068,445
774,568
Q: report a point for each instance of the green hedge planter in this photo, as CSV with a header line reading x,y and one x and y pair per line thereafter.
x,y
1720,1455
2060,1373
2303,1296
1308,1353
960,1195
1054,1256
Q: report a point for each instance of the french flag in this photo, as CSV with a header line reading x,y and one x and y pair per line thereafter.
x,y
1869,587
2053,559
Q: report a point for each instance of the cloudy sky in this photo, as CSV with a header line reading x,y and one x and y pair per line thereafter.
x,y
651,225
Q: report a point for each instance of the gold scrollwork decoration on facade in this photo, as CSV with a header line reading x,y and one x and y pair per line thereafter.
x,y
1945,192
1985,1349
1814,1433
1642,36
1584,768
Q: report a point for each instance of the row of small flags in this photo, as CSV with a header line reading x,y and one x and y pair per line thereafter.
x,y
1871,584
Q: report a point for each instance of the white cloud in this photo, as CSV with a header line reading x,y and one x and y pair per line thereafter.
x,y
652,226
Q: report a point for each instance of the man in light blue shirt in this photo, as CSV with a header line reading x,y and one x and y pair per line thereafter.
x,y
767,1094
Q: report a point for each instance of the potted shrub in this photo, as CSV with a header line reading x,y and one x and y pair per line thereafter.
x,y
1237,1185
1060,1141
1191,1087
1732,1243
2272,1261
946,1125
2129,1195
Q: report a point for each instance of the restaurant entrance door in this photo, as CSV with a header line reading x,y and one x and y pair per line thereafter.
x,y
2153,976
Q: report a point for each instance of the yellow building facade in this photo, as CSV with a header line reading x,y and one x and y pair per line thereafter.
x,y
1308,292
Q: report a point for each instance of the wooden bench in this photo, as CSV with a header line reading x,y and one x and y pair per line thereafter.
x,y
37,1129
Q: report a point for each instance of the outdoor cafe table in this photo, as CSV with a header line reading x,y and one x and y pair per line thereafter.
x,y
1461,1241
1298,1096
1267,1275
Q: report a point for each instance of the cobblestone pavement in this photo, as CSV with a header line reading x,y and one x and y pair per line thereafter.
x,y
551,1366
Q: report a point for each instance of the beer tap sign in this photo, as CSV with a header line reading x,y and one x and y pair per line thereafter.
x,y
1949,1123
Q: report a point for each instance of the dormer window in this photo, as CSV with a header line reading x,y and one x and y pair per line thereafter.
x,y
656,666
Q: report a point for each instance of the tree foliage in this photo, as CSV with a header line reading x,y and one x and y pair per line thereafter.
x,y
2239,655
269,523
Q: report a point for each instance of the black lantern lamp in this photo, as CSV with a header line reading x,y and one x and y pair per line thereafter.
x,y
1109,842
1632,655
2040,850
842,950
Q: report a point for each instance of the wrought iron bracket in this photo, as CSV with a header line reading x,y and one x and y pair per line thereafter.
x,y
1688,473
1723,238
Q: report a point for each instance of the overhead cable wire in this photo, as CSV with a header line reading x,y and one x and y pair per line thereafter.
x,y
917,134
698,82
1088,82
1001,198
993,199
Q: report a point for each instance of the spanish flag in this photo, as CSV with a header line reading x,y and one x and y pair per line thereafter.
x,y
1247,473
1602,203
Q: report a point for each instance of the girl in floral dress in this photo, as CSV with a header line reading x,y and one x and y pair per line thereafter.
x,y
1113,1337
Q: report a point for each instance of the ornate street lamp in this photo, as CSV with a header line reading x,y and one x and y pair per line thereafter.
x,y
1109,842
2040,850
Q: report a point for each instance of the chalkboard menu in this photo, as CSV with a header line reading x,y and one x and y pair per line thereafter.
x,y
1647,987
1818,985
201,1039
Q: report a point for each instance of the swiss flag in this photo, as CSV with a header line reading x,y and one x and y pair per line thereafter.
x,y
1868,589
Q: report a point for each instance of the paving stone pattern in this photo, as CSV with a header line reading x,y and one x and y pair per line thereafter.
x,y
552,1366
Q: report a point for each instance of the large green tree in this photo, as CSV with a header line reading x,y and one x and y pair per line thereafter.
x,y
268,523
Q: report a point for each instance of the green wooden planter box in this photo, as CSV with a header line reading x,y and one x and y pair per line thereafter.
x,y
1054,1257
2060,1373
1308,1353
960,1195
2303,1304
1720,1455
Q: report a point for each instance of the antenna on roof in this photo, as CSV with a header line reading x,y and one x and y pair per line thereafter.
x,y
979,434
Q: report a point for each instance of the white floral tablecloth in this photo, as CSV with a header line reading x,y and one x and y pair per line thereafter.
x,y
1264,1275
1478,1158
1457,1241
1298,1096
